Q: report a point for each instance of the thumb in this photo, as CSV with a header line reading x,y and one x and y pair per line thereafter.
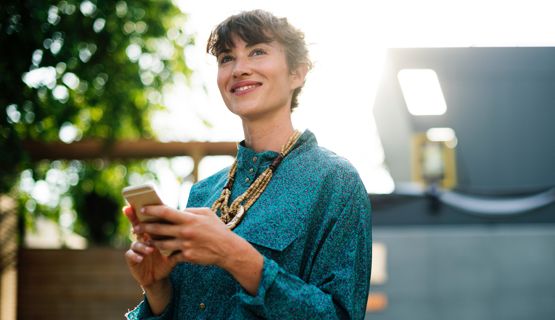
x,y
201,211
130,214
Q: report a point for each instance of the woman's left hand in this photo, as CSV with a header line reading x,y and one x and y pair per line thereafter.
x,y
196,235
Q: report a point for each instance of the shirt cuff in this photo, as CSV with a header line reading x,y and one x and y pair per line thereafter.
x,y
142,311
270,271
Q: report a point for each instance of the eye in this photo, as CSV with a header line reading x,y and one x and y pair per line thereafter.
x,y
225,58
258,52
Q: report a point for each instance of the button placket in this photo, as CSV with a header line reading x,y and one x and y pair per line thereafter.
x,y
252,170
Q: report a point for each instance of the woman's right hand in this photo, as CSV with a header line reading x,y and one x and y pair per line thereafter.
x,y
147,265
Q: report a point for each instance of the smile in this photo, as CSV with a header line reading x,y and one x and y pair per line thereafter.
x,y
241,88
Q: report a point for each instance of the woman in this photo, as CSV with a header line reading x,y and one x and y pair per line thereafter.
x,y
286,231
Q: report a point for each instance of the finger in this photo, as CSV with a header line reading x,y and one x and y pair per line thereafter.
x,y
139,236
141,248
202,211
165,213
133,258
169,245
158,229
130,214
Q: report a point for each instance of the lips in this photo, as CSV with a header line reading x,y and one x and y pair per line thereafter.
x,y
243,87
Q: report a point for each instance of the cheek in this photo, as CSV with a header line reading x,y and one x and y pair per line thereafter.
x,y
220,84
222,80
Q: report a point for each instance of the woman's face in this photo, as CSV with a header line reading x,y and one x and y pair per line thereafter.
x,y
255,81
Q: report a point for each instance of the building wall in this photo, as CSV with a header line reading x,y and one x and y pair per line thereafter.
x,y
477,272
499,103
75,284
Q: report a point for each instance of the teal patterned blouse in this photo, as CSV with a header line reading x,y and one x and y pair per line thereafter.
x,y
313,226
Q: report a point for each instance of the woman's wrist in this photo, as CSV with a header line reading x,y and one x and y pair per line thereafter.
x,y
159,285
244,263
159,295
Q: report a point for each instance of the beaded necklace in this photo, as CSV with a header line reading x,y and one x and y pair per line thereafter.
x,y
232,214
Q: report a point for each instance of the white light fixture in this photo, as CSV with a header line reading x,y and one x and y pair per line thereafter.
x,y
422,92
440,134
446,135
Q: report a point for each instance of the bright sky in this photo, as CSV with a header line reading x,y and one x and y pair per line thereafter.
x,y
347,43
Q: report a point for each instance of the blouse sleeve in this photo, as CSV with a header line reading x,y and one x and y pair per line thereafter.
x,y
340,278
142,311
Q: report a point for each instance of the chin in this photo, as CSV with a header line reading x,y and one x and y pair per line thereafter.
x,y
245,110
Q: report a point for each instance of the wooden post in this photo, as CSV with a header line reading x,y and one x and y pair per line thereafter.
x,y
8,255
197,158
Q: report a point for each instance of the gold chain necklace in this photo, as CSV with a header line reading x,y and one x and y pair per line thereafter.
x,y
232,214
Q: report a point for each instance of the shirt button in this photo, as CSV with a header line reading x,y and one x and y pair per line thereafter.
x,y
254,159
247,180
251,170
202,306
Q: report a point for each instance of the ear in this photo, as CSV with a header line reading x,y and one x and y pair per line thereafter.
x,y
298,75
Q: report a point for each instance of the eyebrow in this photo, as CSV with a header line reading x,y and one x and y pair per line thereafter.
x,y
228,50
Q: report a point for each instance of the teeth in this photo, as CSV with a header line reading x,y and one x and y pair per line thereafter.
x,y
241,89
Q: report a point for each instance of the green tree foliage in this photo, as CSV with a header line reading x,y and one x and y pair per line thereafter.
x,y
72,70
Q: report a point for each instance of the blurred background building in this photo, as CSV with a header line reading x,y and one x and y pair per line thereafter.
x,y
469,228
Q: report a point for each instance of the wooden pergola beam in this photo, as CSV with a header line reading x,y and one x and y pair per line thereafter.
x,y
127,150
132,149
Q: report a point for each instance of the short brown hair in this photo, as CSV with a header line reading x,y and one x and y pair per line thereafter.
x,y
259,26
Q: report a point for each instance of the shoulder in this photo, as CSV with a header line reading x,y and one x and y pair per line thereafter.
x,y
327,165
337,193
328,178
341,189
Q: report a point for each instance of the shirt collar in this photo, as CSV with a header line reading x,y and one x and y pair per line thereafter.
x,y
247,157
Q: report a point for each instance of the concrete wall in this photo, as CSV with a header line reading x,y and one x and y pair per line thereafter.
x,y
478,272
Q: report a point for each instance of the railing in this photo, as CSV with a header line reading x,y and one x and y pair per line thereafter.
x,y
126,150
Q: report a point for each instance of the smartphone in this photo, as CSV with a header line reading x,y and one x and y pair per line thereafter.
x,y
140,196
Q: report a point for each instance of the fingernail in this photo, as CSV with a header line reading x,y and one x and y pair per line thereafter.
x,y
143,210
137,229
138,258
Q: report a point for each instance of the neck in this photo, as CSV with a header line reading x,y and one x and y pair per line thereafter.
x,y
269,135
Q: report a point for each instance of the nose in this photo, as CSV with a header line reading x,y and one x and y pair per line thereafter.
x,y
241,67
